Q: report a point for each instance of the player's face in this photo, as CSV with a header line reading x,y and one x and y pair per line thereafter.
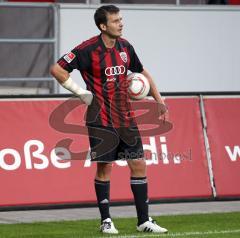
x,y
114,25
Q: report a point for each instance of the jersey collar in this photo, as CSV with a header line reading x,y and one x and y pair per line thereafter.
x,y
104,48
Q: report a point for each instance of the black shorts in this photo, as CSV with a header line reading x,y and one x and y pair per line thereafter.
x,y
109,144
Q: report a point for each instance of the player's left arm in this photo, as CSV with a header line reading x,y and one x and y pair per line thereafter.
x,y
153,89
136,66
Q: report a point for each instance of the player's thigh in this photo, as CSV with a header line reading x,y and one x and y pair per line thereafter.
x,y
130,145
104,142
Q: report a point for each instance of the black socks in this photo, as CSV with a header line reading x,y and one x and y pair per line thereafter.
x,y
140,191
102,189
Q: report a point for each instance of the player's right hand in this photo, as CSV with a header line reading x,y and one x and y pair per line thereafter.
x,y
86,97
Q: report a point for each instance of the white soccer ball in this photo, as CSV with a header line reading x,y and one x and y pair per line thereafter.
x,y
138,86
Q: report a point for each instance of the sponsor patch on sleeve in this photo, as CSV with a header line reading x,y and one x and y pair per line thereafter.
x,y
69,57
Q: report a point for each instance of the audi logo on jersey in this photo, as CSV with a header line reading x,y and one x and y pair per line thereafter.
x,y
115,70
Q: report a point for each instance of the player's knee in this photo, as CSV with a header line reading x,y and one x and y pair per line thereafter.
x,y
137,167
104,171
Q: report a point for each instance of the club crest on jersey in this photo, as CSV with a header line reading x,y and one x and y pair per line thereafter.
x,y
69,57
123,56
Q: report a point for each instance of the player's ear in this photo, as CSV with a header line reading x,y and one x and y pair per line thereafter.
x,y
103,27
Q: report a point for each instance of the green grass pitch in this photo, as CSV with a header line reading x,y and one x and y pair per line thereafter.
x,y
216,225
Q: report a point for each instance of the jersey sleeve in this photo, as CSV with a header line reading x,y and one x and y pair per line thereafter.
x,y
135,63
75,59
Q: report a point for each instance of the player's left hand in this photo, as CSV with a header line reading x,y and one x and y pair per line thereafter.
x,y
164,114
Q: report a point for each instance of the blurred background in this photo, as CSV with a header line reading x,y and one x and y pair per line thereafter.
x,y
187,45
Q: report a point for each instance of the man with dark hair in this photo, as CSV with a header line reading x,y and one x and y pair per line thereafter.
x,y
103,62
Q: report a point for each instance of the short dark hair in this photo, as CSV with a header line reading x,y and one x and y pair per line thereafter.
x,y
100,15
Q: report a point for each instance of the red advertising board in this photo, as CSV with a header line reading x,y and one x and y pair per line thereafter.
x,y
185,175
223,129
35,133
30,173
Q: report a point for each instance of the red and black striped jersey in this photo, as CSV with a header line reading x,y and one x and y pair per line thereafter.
x,y
104,71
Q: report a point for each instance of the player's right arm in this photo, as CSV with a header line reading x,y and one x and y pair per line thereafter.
x,y
60,74
63,77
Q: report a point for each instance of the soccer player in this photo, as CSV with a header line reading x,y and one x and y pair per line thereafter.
x,y
103,62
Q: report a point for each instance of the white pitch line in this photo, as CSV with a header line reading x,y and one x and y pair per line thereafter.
x,y
182,234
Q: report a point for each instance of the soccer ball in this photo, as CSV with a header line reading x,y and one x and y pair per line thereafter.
x,y
138,86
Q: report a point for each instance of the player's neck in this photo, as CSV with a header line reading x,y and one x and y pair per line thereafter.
x,y
108,41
